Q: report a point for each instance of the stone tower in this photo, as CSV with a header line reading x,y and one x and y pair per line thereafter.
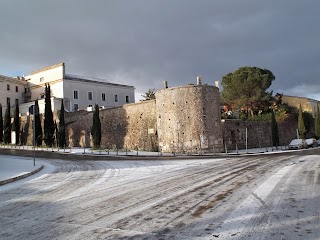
x,y
189,119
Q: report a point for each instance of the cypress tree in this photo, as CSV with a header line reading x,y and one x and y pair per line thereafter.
x,y
274,130
16,124
301,128
96,128
317,123
7,125
48,118
62,128
1,124
38,127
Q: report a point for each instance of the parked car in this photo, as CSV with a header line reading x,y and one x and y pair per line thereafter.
x,y
318,142
312,142
298,144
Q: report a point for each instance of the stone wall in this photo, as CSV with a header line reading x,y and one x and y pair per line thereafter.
x,y
132,126
26,128
181,119
259,133
188,119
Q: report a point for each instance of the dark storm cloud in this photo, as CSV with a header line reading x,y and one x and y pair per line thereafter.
x,y
142,42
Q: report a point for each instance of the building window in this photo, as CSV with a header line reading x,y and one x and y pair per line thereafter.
x,y
75,94
17,89
17,101
75,107
8,101
127,99
42,95
103,96
41,79
89,95
116,98
8,87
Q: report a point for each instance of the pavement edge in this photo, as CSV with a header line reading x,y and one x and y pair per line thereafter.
x,y
10,180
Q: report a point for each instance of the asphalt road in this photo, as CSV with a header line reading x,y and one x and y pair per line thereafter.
x,y
254,197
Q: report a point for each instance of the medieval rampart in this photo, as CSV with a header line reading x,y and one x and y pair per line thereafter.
x,y
188,119
132,126
258,133
181,119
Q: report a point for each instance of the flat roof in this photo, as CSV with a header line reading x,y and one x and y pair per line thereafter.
x,y
93,80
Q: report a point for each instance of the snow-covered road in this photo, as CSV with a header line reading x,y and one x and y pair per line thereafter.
x,y
260,197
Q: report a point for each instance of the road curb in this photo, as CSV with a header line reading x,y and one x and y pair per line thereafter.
x,y
97,157
10,180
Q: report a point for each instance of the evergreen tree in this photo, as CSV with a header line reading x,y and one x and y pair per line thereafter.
x,y
38,127
301,128
7,125
317,123
96,128
16,124
150,94
274,130
61,138
48,119
247,87
1,124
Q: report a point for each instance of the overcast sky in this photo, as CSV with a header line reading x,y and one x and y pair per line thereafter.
x,y
143,42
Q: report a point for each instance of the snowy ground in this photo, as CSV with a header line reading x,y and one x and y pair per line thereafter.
x,y
254,197
12,166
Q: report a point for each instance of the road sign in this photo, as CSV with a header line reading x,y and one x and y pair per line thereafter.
x,y
35,108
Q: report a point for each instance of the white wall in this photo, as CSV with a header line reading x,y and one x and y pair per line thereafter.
x,y
52,75
83,87
63,86
55,105
12,94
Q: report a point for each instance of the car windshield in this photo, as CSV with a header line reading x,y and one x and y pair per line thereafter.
x,y
296,141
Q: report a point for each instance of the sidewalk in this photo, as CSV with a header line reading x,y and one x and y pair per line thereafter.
x,y
13,168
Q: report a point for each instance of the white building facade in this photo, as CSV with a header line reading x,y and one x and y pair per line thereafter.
x,y
77,92
12,90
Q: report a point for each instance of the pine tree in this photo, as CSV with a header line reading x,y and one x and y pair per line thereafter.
x,y
16,124
301,128
61,138
48,119
38,127
1,124
7,125
274,130
96,128
317,123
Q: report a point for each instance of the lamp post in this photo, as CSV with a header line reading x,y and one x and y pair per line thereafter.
x,y
247,129
34,110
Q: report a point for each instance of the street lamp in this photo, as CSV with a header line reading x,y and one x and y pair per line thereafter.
x,y
34,110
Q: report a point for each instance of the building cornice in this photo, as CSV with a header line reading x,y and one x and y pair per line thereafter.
x,y
78,79
47,68
11,79
44,84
